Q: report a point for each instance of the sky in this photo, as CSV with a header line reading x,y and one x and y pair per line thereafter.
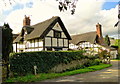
x,y
87,14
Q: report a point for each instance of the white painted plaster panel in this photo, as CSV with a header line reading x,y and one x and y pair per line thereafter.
x,y
14,47
65,42
21,46
40,49
63,35
60,42
36,43
54,41
57,27
50,33
47,41
40,43
72,46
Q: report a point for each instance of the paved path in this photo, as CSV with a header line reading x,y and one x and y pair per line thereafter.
x,y
105,75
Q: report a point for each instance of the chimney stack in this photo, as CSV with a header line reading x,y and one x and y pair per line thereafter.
x,y
99,30
26,21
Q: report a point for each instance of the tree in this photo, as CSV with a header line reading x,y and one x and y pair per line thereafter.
x,y
7,39
104,56
63,5
107,40
117,42
118,16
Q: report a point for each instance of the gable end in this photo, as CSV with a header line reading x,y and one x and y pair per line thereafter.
x,y
52,25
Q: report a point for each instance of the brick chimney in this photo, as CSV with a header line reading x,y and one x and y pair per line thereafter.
x,y
99,30
100,39
26,21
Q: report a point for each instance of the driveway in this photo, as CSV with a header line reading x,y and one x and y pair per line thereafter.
x,y
105,75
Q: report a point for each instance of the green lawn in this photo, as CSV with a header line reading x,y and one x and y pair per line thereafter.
x,y
43,76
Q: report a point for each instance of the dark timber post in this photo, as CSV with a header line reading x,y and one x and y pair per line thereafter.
x,y
16,46
68,44
44,44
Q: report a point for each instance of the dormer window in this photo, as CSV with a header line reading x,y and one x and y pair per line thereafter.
x,y
57,34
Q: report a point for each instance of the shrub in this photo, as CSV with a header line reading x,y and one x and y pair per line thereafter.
x,y
23,63
91,62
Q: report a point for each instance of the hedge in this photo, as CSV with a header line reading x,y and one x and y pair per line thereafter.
x,y
23,63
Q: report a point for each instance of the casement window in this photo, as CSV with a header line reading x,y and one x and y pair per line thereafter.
x,y
57,34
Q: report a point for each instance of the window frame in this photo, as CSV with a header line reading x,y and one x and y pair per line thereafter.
x,y
57,32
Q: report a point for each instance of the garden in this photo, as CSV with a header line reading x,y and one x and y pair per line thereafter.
x,y
41,65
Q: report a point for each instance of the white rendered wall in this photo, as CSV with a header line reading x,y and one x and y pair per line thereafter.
x,y
60,42
57,27
50,33
72,46
14,47
54,42
63,35
113,54
47,41
66,42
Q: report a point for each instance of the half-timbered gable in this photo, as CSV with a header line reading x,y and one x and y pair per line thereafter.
x,y
48,35
56,38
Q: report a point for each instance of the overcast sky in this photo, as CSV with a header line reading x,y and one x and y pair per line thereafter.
x,y
88,13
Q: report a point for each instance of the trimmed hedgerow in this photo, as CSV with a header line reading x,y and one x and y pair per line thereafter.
x,y
23,63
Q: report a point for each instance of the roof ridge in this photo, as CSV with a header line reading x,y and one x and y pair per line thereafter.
x,y
46,20
84,33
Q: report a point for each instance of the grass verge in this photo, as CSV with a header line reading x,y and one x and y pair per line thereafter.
x,y
116,59
43,76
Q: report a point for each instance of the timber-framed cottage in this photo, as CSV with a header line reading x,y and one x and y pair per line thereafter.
x,y
47,35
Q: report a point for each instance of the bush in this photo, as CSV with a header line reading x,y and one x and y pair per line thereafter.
x,y
91,62
23,63
118,56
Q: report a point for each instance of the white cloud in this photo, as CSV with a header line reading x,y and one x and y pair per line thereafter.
x,y
88,14
108,19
